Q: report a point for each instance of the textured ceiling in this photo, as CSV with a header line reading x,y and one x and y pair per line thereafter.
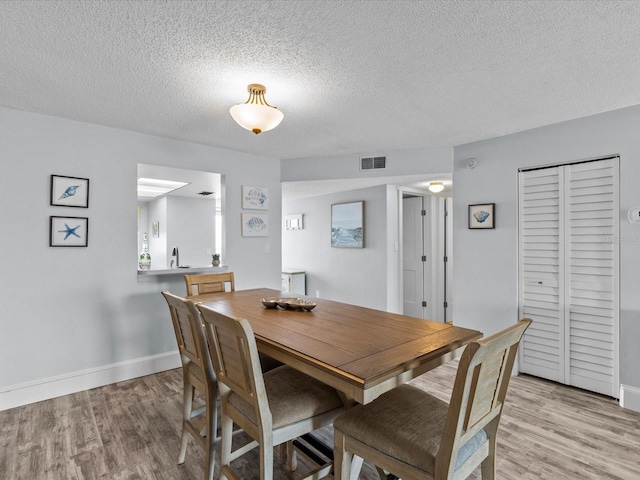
x,y
357,77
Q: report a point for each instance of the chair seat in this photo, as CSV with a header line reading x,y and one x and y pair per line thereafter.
x,y
405,423
293,396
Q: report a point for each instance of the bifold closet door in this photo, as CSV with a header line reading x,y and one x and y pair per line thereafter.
x,y
569,225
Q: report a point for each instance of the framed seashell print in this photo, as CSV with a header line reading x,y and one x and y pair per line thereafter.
x,y
255,198
482,216
255,225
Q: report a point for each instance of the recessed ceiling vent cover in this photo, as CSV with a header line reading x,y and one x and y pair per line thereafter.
x,y
373,163
205,194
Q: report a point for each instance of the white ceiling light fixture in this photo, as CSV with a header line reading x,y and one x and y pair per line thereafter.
x,y
256,115
436,187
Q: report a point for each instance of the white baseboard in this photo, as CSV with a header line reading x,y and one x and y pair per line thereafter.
x,y
23,394
630,397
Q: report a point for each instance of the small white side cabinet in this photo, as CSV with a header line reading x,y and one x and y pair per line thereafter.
x,y
294,282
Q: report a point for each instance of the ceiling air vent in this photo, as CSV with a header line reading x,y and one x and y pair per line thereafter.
x,y
204,194
373,163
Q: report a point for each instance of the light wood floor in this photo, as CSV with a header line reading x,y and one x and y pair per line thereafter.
x,y
130,430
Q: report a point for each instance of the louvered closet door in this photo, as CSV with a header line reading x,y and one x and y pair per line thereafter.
x,y
569,274
542,275
592,266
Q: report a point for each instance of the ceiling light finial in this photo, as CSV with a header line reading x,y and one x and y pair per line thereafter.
x,y
256,114
436,187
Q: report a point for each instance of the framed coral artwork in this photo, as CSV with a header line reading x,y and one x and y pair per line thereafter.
x,y
481,216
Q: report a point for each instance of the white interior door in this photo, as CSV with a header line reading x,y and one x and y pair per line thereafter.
x,y
413,274
569,262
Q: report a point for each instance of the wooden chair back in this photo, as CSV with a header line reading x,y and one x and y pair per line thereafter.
x,y
188,330
236,362
478,397
199,284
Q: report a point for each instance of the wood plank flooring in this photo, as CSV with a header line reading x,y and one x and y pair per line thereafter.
x,y
130,430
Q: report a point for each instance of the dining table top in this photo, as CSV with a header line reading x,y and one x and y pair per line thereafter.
x,y
360,351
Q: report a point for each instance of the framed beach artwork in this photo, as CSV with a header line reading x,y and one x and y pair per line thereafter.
x,y
69,191
255,198
255,225
481,216
68,231
347,225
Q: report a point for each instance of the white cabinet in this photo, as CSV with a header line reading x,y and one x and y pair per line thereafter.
x,y
294,282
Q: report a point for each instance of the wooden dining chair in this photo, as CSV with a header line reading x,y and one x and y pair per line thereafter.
x,y
199,284
413,435
197,374
272,408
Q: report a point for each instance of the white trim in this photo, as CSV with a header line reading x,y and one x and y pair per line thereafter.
x,y
630,397
47,388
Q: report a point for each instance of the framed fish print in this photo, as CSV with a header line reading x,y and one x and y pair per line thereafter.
x,y
68,231
255,198
69,191
481,216
255,225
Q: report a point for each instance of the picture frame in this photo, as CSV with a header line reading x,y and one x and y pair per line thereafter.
x,y
155,229
68,231
255,198
482,216
255,225
347,225
69,191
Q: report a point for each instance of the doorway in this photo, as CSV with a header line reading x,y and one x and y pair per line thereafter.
x,y
426,263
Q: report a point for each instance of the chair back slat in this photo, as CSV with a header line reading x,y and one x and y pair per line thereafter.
x,y
484,391
479,391
200,284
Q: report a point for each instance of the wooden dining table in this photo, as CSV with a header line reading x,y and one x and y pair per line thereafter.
x,y
360,351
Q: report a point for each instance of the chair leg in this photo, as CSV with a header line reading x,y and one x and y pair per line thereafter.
x,y
266,456
225,441
341,458
292,457
212,430
187,405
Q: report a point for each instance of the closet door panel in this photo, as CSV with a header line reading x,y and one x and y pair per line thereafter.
x,y
592,222
542,350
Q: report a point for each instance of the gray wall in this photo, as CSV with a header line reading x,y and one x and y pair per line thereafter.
x,y
352,275
69,311
486,261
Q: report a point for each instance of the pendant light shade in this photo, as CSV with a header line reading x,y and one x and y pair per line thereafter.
x,y
256,114
436,187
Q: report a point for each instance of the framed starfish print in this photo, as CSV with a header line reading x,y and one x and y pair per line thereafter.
x,y
69,191
68,231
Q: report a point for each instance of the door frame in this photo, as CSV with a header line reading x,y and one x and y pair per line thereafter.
x,y
435,298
